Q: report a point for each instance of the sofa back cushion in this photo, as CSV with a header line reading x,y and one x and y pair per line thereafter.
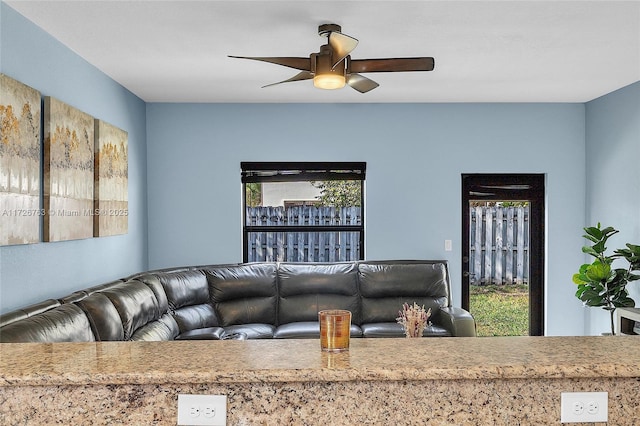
x,y
103,316
188,297
136,304
28,311
161,297
103,286
385,286
65,323
306,288
244,294
76,296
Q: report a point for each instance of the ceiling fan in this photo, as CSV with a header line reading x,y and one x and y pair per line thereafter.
x,y
332,67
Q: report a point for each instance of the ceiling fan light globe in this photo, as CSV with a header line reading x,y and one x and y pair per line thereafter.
x,y
329,81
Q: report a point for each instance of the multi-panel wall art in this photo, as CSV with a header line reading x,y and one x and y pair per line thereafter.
x,y
68,172
20,210
111,180
83,191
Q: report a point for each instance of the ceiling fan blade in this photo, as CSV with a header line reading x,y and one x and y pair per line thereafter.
x,y
392,64
361,83
291,62
342,45
304,75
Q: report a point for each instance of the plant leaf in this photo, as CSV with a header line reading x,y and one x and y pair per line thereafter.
x,y
591,238
625,302
579,279
600,247
590,250
594,232
598,271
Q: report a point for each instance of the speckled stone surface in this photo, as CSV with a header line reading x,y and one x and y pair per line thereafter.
x,y
442,381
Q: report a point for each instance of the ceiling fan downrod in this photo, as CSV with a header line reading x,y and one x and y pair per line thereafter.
x,y
325,29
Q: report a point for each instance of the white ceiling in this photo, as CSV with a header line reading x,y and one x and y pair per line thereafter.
x,y
485,51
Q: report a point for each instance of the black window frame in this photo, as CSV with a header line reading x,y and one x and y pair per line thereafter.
x,y
260,172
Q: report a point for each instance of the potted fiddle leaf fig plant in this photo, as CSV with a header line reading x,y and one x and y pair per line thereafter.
x,y
599,283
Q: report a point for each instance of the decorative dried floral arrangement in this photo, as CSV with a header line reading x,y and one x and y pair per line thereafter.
x,y
413,319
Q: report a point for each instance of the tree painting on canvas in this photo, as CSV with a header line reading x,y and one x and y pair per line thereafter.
x,y
111,180
20,209
68,172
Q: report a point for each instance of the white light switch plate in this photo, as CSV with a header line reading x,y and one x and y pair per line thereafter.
x,y
202,410
584,407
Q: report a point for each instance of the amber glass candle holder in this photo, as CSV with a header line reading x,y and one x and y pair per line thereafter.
x,y
335,329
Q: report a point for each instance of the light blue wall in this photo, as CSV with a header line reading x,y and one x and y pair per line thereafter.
x,y
31,273
415,154
613,175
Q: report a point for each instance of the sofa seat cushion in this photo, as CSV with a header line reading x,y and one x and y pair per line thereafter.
x,y
253,331
209,333
306,330
393,329
435,330
66,323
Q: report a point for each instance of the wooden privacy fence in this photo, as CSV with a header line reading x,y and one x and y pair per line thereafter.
x,y
499,239
299,245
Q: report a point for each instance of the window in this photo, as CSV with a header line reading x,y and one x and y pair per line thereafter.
x,y
303,212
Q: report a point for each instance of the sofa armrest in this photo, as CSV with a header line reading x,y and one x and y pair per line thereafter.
x,y
209,333
458,321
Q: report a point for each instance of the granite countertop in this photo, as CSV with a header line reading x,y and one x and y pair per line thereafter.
x,y
35,364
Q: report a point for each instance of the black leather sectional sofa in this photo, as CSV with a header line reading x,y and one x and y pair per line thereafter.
x,y
252,300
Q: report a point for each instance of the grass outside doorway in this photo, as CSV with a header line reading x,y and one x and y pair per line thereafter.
x,y
500,310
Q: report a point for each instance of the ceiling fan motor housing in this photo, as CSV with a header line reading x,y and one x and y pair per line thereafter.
x,y
326,76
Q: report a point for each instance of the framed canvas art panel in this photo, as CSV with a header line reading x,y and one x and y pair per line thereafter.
x,y
111,206
68,172
20,203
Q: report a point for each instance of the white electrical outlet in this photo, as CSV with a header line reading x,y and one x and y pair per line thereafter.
x,y
584,407
202,410
448,245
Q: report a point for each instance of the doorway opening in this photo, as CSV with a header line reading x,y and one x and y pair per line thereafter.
x,y
503,252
